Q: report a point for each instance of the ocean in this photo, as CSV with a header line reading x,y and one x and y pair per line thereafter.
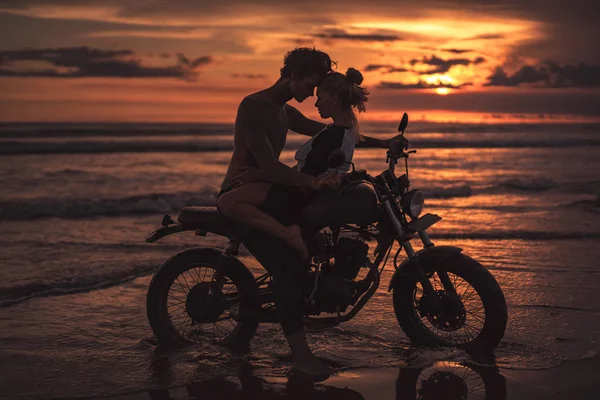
x,y
77,200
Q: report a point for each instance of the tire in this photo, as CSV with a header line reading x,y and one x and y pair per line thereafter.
x,y
444,380
492,321
167,288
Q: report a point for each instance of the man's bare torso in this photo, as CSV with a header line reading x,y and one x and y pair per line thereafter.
x,y
256,115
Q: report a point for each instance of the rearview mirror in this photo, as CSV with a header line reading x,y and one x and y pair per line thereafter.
x,y
336,159
403,123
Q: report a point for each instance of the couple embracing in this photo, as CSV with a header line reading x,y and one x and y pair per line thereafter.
x,y
267,195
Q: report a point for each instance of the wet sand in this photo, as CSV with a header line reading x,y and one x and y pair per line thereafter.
x,y
571,380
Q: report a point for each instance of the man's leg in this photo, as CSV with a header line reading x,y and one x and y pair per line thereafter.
x,y
288,273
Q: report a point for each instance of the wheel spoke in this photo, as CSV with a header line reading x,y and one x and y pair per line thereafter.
x,y
176,303
183,288
191,278
176,299
467,330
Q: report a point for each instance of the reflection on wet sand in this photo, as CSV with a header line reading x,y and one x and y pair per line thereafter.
x,y
451,381
440,380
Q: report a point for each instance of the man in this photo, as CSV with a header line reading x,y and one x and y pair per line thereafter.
x,y
261,127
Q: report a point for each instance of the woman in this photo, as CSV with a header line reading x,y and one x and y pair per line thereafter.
x,y
337,94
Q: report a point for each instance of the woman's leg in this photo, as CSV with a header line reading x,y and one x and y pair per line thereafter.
x,y
242,204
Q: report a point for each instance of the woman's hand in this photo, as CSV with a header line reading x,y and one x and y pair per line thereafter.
x,y
331,180
398,143
247,175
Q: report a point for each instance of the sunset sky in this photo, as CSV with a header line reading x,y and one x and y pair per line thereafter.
x,y
185,60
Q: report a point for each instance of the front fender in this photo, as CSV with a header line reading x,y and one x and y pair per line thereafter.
x,y
429,258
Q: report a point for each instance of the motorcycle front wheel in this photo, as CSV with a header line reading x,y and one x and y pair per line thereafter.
x,y
190,298
451,381
475,319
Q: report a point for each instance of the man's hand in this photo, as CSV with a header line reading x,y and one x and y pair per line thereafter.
x,y
247,175
331,180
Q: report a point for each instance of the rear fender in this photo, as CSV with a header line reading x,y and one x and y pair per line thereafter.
x,y
429,258
166,231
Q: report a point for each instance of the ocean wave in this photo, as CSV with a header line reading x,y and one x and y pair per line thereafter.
x,y
516,234
556,307
159,203
156,203
587,205
447,192
122,129
100,146
19,293
225,143
537,184
33,130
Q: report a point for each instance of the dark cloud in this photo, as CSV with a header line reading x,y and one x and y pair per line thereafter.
x,y
505,101
249,76
549,75
488,36
419,85
441,66
305,42
193,63
386,68
456,51
78,62
371,36
564,31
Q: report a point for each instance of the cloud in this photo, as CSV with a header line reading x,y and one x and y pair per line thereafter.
x,y
419,85
367,36
488,36
78,62
385,68
441,66
456,51
248,76
548,75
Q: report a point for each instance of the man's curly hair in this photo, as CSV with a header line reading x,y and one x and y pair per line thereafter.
x,y
306,61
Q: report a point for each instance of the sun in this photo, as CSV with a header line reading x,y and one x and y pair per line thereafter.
x,y
442,91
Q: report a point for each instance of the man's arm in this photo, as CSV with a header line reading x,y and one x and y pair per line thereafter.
x,y
302,125
251,124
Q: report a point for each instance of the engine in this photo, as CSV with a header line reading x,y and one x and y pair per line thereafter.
x,y
335,287
350,255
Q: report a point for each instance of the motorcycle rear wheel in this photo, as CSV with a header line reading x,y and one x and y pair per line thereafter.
x,y
183,307
477,321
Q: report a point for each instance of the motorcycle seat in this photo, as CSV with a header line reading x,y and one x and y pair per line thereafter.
x,y
208,219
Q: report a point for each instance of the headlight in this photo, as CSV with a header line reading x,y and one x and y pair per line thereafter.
x,y
412,203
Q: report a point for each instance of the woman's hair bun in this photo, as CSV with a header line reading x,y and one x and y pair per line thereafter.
x,y
354,76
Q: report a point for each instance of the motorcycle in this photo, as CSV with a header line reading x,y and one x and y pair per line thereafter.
x,y
440,296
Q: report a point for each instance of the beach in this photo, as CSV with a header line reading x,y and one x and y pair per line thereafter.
x,y
78,200
566,381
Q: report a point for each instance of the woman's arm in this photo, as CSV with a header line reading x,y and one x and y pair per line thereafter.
x,y
371,142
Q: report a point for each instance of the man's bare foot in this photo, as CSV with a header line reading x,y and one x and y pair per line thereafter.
x,y
294,238
312,366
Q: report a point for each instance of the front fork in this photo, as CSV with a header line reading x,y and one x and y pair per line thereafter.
x,y
433,305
